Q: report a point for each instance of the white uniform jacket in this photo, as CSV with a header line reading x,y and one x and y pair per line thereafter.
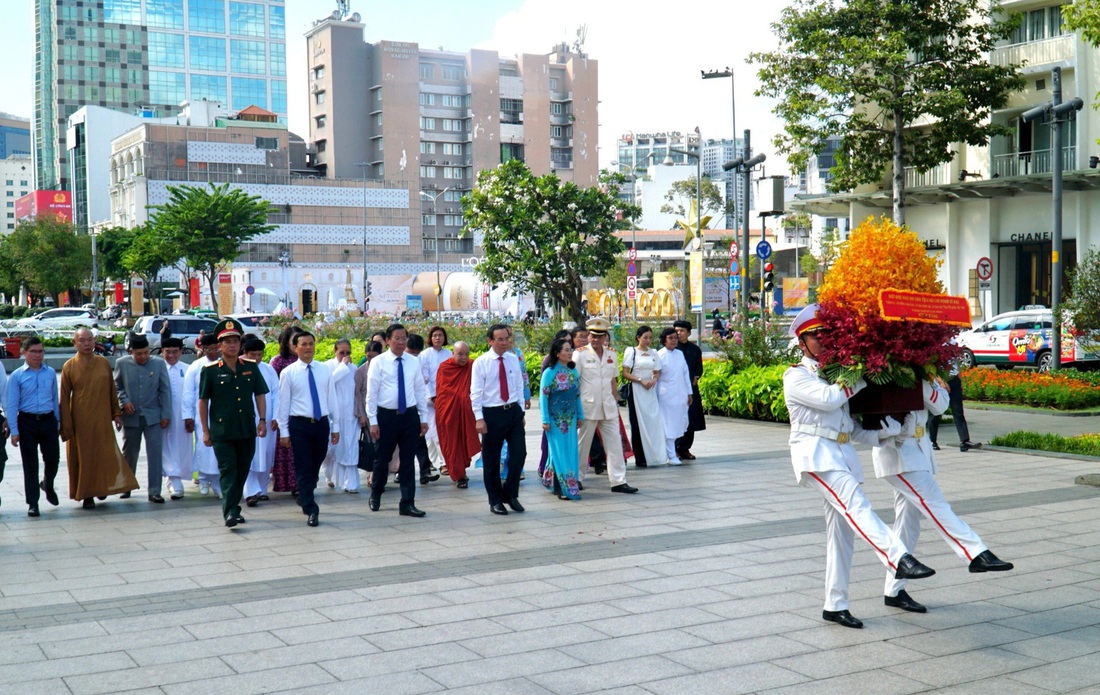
x,y
815,403
911,451
599,398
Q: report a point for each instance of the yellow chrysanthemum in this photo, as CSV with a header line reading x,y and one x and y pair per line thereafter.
x,y
879,255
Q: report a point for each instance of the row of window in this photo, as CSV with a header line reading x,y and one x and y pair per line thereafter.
x,y
448,100
429,171
171,88
245,18
11,194
446,148
428,220
109,36
11,182
452,125
112,93
453,73
1037,25
209,53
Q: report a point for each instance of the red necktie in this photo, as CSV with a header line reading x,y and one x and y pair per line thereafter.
x,y
503,381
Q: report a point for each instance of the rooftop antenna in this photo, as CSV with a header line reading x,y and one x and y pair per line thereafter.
x,y
582,33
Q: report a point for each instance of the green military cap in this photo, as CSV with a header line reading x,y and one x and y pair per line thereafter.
x,y
227,328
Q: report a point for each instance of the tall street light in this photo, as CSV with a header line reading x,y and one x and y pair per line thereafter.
x,y
435,226
697,241
744,166
366,285
728,72
633,219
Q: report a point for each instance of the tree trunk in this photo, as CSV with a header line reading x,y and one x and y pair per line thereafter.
x,y
571,300
899,171
211,275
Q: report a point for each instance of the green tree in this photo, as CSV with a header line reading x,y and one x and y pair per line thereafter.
x,y
208,225
901,82
148,254
542,233
1083,16
111,244
1083,303
681,195
49,256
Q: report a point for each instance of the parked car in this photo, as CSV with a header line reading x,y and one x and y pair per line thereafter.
x,y
65,317
1022,338
184,327
254,324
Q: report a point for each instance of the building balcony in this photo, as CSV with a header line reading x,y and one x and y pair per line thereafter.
x,y
936,176
1036,54
1037,162
561,163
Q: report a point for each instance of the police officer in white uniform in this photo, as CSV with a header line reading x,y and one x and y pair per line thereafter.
x,y
824,459
908,464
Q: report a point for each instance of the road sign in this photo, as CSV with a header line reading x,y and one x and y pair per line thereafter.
x,y
735,282
631,287
735,267
250,290
631,268
763,250
632,254
985,285
985,268
734,249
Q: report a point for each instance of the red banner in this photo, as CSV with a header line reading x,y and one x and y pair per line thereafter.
x,y
119,297
194,288
902,305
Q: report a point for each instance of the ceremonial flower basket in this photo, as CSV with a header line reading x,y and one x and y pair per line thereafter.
x,y
887,318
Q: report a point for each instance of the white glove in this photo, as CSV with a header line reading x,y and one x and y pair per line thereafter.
x,y
905,428
890,428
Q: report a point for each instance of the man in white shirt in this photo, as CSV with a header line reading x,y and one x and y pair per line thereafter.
x,y
309,419
204,460
178,442
496,395
397,413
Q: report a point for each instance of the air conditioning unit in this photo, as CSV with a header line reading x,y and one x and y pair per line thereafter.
x,y
431,211
314,88
431,185
432,162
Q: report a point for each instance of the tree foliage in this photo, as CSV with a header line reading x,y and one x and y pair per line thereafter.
x,y
208,225
542,233
47,256
901,82
1083,16
148,254
681,194
1083,304
111,245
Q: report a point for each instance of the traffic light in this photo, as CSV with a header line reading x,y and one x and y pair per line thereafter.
x,y
370,286
769,277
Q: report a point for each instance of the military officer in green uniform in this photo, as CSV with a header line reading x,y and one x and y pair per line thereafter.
x,y
227,417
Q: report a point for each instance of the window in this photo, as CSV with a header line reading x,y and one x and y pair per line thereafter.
x,y
248,92
511,105
427,172
122,11
111,36
508,71
377,120
427,220
427,123
91,54
164,14
321,121
112,94
453,221
454,172
134,76
427,148
278,59
452,196
209,87
455,125
427,99
1054,15
134,57
91,73
321,145
112,55
112,75
166,88
278,96
452,148
68,14
70,52
134,37
1036,25
248,57
277,16
91,34
246,19
267,143
166,50
319,98
71,73
206,16
556,131
427,72
318,72
70,33
456,100
454,74
553,84
207,53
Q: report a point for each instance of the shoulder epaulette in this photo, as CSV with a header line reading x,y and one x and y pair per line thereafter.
x,y
213,364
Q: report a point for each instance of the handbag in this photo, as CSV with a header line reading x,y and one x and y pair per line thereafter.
x,y
368,452
624,392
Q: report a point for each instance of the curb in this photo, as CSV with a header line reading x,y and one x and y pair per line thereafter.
x,y
1041,452
979,405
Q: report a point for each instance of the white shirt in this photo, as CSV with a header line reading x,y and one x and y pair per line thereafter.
x,y
295,399
485,382
430,360
382,385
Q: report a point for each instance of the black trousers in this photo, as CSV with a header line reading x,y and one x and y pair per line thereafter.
x,y
234,460
397,430
422,459
955,398
37,435
635,431
503,425
309,441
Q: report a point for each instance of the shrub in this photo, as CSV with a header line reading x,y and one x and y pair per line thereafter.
x,y
755,393
750,342
18,312
1086,444
6,311
1060,391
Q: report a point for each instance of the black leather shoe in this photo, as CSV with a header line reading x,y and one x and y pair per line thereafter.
x,y
988,562
905,602
312,520
842,618
911,568
124,496
515,505
51,494
624,488
498,509
374,502
156,498
33,511
230,521
411,510
239,518
89,503
968,445
935,446
252,501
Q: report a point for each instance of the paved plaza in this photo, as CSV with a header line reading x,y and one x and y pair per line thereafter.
x,y
707,581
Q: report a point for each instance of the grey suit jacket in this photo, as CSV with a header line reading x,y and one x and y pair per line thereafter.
x,y
147,387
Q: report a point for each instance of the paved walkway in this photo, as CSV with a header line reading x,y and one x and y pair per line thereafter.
x,y
709,580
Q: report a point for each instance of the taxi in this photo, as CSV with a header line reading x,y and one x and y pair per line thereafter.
x,y
1023,338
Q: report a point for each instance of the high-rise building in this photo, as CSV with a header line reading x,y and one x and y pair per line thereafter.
x,y
149,56
15,136
16,181
395,111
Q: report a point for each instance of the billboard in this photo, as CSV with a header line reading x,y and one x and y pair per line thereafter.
x,y
35,203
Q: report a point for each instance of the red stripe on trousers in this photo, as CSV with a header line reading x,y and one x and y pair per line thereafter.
x,y
933,516
852,521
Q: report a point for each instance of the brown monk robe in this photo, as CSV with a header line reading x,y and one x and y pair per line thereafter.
x,y
89,403
454,414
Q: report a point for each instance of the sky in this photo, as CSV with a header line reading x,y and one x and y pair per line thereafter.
x,y
650,55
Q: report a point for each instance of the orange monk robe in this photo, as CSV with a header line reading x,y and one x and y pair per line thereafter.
x,y
454,417
89,402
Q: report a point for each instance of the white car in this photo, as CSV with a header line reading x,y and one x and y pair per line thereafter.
x,y
65,317
1022,338
254,324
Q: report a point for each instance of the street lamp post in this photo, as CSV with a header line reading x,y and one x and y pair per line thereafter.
x,y
697,242
728,72
744,166
366,299
435,226
633,219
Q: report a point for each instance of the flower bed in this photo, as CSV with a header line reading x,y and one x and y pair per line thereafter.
x,y
1059,391
1084,444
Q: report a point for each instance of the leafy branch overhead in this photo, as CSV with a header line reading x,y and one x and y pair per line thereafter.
x,y
542,234
900,82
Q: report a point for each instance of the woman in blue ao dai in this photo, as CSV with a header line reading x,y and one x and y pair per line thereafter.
x,y
560,404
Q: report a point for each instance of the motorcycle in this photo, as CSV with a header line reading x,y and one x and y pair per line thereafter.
x,y
105,346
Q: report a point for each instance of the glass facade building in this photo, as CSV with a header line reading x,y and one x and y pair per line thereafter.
x,y
147,56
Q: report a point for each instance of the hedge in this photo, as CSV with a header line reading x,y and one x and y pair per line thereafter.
x,y
754,393
1086,444
1061,391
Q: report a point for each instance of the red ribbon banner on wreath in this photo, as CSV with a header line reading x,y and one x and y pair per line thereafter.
x,y
902,305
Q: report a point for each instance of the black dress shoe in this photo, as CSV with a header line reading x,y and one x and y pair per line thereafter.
x,y
239,518
624,488
905,602
176,495
842,618
312,520
911,568
687,456
643,464
411,510
968,445
935,446
89,503
230,521
425,479
33,511
988,562
51,494
156,498
463,484
498,509
124,496
515,505
373,503
101,497
264,498
252,501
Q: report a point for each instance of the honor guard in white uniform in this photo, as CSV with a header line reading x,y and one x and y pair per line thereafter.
x,y
824,459
909,465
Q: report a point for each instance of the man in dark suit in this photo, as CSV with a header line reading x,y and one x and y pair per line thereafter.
x,y
693,355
